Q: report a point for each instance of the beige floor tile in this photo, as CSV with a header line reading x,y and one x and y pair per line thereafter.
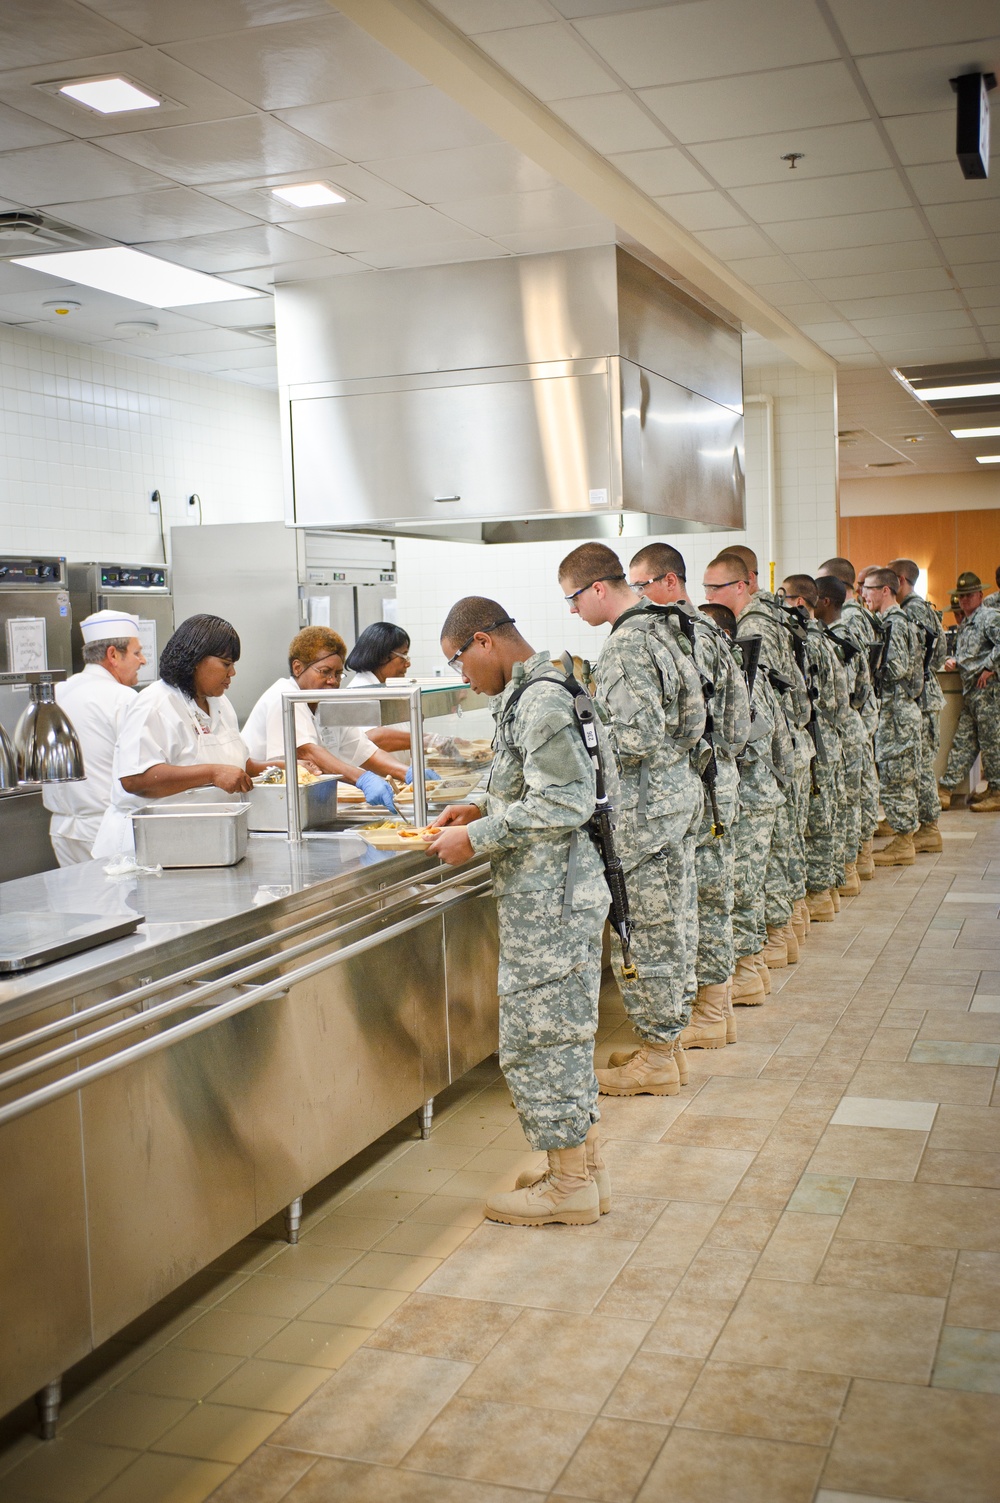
x,y
263,1295
718,1132
354,1305
972,1129
642,1119
732,1469
133,1420
388,1270
278,1387
943,1167
639,1292
219,1432
763,1100
653,1388
923,1215
968,1359
742,1061
743,1226
314,1344
463,1330
423,1239
975,1292
230,1333
479,1184
465,1134
677,1235
424,1179
797,1247
669,1171
449,1210
768,1402
889,1266
972,1028
353,1233
67,1470
313,1262
868,1152
612,1461
900,1441
890,1044
508,1443
265,1477
552,1360
962,1084
631,1218
543,1269
833,1329
166,1479
178,1373
333,1481
381,1205
820,1194
805,1038
690,1325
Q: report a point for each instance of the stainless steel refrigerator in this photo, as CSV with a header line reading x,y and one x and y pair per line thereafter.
x,y
141,589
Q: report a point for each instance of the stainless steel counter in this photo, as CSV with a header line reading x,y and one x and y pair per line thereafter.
x,y
164,1095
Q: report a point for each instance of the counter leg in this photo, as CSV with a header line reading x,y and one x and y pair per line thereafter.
x,y
293,1219
425,1117
49,1401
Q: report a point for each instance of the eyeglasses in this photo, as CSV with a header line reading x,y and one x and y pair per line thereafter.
x,y
712,589
480,630
642,584
604,579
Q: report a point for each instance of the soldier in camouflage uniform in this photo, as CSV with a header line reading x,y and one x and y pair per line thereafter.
x,y
899,681
650,696
977,658
658,573
831,594
992,602
931,702
857,627
529,816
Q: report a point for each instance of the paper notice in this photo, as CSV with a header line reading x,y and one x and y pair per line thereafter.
x,y
147,641
26,650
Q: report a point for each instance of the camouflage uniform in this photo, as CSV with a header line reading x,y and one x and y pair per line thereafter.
x,y
536,800
651,697
767,766
853,740
992,602
857,626
931,703
977,646
825,838
897,740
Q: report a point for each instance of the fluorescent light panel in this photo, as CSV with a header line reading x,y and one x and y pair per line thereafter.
x,y
134,275
308,195
110,96
975,433
988,459
951,393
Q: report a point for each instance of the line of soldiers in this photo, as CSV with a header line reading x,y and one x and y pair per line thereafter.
x,y
746,747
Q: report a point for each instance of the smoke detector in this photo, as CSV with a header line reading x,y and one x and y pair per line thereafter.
x,y
63,306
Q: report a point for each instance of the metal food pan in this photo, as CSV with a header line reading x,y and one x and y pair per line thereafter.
x,y
317,805
191,834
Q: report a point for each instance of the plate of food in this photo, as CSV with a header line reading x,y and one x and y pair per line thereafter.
x,y
394,835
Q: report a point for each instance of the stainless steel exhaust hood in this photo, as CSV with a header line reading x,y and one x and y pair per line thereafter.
x,y
571,395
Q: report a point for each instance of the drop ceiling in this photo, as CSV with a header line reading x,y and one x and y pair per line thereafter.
x,y
873,244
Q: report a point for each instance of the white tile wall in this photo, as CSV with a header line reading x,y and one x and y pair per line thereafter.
x,y
87,436
522,576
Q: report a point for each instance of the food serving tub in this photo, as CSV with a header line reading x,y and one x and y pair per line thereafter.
x,y
191,834
317,805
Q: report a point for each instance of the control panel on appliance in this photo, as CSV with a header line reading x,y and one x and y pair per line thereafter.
x,y
31,571
132,577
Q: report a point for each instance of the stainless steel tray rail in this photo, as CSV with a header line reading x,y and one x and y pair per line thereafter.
x,y
469,884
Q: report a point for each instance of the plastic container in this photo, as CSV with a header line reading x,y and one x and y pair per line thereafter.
x,y
191,834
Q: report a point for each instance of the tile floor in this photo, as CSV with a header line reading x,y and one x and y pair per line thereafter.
x,y
796,1296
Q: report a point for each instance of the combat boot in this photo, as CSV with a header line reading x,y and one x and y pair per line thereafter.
x,y
595,1163
565,1193
787,933
821,908
852,882
797,924
927,840
775,952
680,1060
707,1028
803,908
944,797
730,1015
651,1071
865,864
884,828
989,802
899,852
748,987
834,898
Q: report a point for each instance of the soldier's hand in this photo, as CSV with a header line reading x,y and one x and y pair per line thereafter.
x,y
458,814
950,665
984,678
453,846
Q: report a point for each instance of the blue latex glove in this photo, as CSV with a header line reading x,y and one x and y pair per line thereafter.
x,y
429,776
377,791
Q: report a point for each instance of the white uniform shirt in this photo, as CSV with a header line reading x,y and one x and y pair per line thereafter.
x,y
264,730
97,704
365,677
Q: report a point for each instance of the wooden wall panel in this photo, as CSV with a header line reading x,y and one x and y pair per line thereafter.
x,y
929,538
979,544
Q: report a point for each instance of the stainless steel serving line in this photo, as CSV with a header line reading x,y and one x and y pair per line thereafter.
x,y
163,1096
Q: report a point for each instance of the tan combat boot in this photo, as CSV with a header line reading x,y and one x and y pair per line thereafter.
x,y
651,1071
595,1163
565,1193
730,1015
852,882
988,802
927,840
775,952
865,864
797,924
748,987
762,971
803,908
821,908
899,852
680,1060
884,828
622,1056
944,797
788,934
834,898
707,1028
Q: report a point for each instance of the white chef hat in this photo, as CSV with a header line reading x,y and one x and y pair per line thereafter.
x,y
108,626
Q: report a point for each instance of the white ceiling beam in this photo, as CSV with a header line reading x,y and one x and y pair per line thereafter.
x,y
451,62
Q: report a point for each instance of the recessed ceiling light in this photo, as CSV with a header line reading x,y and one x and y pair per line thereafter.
x,y
951,393
110,96
134,275
308,195
975,433
988,459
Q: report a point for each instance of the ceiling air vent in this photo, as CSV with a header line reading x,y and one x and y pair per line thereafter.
x,y
23,233
261,331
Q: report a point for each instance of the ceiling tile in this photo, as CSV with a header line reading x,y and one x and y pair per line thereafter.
x,y
905,83
847,231
438,175
472,16
300,62
325,264
828,151
250,147
235,250
17,130
701,211
574,237
62,172
829,329
173,20
943,183
389,125
886,283
98,311
547,60
806,313
364,187
906,255
928,137
238,315
801,197
23,279
965,219
902,302
41,31
779,100
731,244
789,294
386,230
163,214
190,342
610,122
678,43
430,255
966,249
261,358
667,170
912,323
509,213
920,23
979,274
760,271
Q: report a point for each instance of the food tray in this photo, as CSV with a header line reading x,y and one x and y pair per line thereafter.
x,y
191,834
395,840
317,805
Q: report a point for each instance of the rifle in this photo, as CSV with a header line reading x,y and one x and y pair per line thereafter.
x,y
750,652
810,674
877,654
710,771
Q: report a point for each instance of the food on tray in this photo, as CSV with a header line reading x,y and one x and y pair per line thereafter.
x,y
277,775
